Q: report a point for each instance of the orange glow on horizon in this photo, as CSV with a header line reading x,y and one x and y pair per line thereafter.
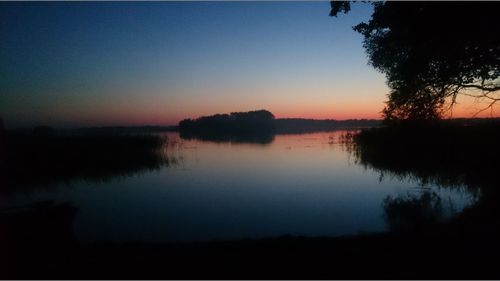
x,y
469,107
137,110
148,116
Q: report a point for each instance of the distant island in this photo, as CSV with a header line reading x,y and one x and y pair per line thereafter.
x,y
248,127
236,122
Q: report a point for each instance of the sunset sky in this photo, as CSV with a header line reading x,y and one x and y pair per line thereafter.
x,y
155,63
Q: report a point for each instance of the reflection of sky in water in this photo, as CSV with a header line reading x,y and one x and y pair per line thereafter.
x,y
298,184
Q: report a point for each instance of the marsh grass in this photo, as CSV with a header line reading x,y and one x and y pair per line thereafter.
x,y
444,154
49,158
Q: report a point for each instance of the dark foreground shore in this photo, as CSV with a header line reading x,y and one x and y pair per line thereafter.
x,y
364,257
39,244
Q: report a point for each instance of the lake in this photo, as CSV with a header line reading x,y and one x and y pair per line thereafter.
x,y
292,184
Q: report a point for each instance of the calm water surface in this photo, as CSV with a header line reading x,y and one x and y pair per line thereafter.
x,y
304,184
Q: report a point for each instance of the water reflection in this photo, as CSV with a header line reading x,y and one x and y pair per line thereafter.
x,y
190,189
235,197
264,137
414,211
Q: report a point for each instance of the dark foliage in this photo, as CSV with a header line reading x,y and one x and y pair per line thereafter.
x,y
236,122
238,127
432,51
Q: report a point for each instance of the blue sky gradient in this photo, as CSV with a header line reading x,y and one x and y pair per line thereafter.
x,y
69,64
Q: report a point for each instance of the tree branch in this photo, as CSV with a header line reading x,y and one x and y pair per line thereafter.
x,y
490,106
493,88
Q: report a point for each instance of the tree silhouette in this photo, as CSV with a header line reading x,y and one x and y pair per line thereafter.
x,y
430,52
236,122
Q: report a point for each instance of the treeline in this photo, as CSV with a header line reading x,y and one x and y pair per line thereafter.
x,y
235,122
299,125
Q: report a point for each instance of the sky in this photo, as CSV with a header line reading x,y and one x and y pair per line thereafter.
x,y
71,64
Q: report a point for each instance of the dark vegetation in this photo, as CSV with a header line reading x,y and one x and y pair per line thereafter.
x,y
428,63
445,153
236,122
45,157
238,127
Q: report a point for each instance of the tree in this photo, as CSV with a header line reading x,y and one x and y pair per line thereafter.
x,y
430,52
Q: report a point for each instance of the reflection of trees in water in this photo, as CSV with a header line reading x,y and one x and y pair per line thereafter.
x,y
48,160
414,211
232,137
